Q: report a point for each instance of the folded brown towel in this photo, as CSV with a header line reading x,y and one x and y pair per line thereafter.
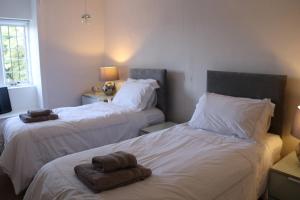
x,y
27,119
39,113
98,181
114,161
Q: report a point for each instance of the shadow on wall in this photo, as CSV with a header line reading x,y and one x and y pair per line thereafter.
x,y
292,100
67,76
179,99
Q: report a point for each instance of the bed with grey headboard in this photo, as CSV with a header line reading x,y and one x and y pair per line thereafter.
x,y
256,86
157,74
93,129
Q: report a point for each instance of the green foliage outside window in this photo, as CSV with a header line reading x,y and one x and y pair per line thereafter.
x,y
14,56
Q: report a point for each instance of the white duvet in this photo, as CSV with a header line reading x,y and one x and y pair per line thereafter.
x,y
29,146
186,164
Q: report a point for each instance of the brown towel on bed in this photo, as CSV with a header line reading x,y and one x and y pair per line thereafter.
x,y
27,119
98,181
39,113
114,161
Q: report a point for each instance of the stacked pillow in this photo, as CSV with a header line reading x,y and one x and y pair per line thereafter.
x,y
137,94
241,117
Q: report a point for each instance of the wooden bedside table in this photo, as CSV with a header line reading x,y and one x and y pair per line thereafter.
x,y
92,97
156,127
284,181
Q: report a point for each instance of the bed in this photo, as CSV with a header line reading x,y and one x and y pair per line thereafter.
x,y
29,146
186,163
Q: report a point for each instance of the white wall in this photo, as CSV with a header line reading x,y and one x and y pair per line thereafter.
x,y
20,9
188,37
70,52
25,97
35,53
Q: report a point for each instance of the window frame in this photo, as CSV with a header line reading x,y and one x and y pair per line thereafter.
x,y
26,25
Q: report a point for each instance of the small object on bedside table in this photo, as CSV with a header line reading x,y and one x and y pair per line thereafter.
x,y
157,127
92,97
296,130
284,181
109,75
95,89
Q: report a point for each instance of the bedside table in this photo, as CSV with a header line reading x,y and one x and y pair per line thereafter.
x,y
92,97
284,181
156,127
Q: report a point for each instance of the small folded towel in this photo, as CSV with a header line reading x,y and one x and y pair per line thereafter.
x,y
114,161
98,181
27,119
39,113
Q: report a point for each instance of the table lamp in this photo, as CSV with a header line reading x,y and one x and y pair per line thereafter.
x,y
109,75
296,130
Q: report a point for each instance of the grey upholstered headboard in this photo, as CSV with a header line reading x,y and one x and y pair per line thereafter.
x,y
161,76
256,86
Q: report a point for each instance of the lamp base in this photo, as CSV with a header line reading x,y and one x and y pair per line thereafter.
x,y
298,152
109,88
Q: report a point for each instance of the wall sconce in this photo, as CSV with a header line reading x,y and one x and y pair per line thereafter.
x,y
86,18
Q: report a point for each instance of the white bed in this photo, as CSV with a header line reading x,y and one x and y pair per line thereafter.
x,y
186,164
29,147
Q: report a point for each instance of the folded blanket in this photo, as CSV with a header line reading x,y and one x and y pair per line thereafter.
x,y
39,113
114,161
98,181
27,119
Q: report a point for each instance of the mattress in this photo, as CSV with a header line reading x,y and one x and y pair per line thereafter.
x,y
186,164
270,155
29,146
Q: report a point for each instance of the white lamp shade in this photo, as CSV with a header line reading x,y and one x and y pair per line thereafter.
x,y
109,73
296,125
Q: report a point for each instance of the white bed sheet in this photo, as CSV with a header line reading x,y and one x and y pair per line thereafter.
x,y
186,164
271,154
29,146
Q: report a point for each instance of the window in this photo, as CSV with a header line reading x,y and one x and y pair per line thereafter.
x,y
14,53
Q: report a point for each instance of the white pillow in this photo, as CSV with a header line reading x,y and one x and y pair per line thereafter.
x,y
152,101
136,94
241,117
153,83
